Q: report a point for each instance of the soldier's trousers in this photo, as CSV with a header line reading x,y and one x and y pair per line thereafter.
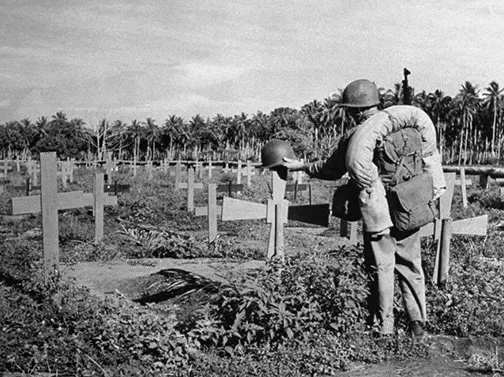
x,y
399,252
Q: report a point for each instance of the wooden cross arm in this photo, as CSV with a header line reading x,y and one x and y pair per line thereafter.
x,y
236,209
185,185
317,214
473,226
234,187
31,204
87,200
293,187
65,200
203,211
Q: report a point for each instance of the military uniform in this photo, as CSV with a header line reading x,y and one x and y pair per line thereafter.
x,y
385,249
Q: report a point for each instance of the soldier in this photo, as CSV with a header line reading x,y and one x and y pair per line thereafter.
x,y
392,148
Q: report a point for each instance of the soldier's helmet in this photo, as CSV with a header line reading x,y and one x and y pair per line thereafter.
x,y
274,151
360,93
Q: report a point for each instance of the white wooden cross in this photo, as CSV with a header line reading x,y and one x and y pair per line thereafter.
x,y
6,167
463,183
212,211
178,174
50,201
66,172
276,212
190,185
110,166
33,171
444,227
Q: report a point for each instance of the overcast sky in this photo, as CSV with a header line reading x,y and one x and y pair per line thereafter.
x,y
121,59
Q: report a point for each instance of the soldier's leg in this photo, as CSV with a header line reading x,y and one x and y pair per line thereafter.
x,y
410,273
379,253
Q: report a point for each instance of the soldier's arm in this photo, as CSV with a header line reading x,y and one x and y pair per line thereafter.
x,y
332,168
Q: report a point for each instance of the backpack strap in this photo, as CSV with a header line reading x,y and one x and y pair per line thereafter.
x,y
401,164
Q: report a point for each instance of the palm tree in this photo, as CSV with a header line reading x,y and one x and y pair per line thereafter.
x,y
170,131
439,107
390,97
314,112
135,134
493,101
152,134
468,103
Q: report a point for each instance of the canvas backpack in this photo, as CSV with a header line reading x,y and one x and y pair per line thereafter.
x,y
409,189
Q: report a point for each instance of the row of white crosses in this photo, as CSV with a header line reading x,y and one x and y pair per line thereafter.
x,y
240,171
277,211
66,173
49,202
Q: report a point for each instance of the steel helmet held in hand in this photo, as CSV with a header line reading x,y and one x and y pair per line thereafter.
x,y
360,93
274,151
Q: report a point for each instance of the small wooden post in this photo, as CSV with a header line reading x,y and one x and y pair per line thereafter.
x,y
353,232
249,174
444,251
299,176
63,173
445,202
343,231
190,189
483,181
464,188
134,164
198,169
49,207
71,166
108,170
98,206
280,207
239,172
34,173
212,212
210,169
178,173
149,170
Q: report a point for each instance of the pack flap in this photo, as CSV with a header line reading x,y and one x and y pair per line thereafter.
x,y
414,192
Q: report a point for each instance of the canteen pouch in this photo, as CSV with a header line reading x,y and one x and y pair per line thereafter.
x,y
345,203
411,202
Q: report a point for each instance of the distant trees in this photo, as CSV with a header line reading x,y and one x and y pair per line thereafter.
x,y
469,125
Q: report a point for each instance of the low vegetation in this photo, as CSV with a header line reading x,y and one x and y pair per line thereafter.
x,y
306,316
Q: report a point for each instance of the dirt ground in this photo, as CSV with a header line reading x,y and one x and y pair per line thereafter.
x,y
124,276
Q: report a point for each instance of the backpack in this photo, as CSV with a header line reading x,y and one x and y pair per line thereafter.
x,y
409,189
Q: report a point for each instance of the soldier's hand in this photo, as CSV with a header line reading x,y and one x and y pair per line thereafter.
x,y
293,165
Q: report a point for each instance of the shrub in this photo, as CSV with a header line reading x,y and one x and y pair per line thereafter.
x,y
287,302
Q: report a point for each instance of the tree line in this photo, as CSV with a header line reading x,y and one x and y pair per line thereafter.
x,y
469,125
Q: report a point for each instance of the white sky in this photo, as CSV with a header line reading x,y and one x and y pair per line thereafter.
x,y
125,59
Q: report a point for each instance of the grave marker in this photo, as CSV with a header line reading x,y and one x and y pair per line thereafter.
x,y
190,185
50,201
276,212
